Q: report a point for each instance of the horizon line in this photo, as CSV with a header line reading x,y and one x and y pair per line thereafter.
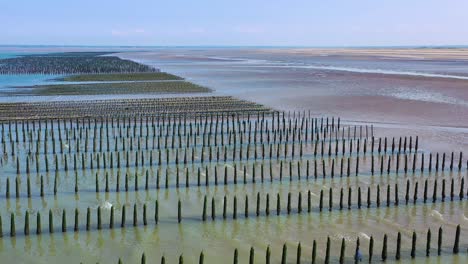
x,y
232,46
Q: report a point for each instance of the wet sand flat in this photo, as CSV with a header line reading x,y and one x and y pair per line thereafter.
x,y
410,53
292,79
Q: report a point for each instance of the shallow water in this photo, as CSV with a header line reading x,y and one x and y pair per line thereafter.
x,y
9,80
219,238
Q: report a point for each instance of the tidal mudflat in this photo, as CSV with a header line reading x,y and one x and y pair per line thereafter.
x,y
233,177
406,90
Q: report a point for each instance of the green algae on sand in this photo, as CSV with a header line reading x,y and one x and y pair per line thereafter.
x,y
105,77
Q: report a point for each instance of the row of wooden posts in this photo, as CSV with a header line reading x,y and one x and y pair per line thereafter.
x,y
263,150
243,124
226,176
257,134
189,140
461,196
107,161
359,200
187,177
187,155
328,258
456,245
334,146
76,227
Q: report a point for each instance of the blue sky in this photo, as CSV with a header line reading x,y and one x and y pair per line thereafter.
x,y
240,22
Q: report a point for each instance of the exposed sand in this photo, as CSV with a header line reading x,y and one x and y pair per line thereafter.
x,y
409,53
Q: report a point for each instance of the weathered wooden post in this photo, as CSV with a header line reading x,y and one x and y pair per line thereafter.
x,y
234,210
51,222
298,253
111,218
38,224
76,226
204,209
179,212
284,254
428,243
342,251
398,247
213,209
268,255
122,221
156,212
439,241
456,245
201,259
413,245
384,248
251,255
64,221
327,251
26,223
321,200
314,251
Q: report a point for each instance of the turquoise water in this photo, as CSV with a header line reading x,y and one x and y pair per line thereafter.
x,y
7,81
6,56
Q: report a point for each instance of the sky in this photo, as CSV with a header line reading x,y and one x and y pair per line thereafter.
x,y
234,23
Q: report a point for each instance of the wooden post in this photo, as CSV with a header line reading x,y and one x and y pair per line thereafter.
x,y
76,220
398,247
51,222
314,251
213,209
457,240
342,251
267,255
179,212
236,256
201,258
64,221
111,218
321,200
384,248
26,223
284,254
204,209
38,224
413,245
252,255
298,253
439,241
428,243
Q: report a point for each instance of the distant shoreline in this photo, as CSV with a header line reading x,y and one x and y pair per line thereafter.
x,y
456,52
241,46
